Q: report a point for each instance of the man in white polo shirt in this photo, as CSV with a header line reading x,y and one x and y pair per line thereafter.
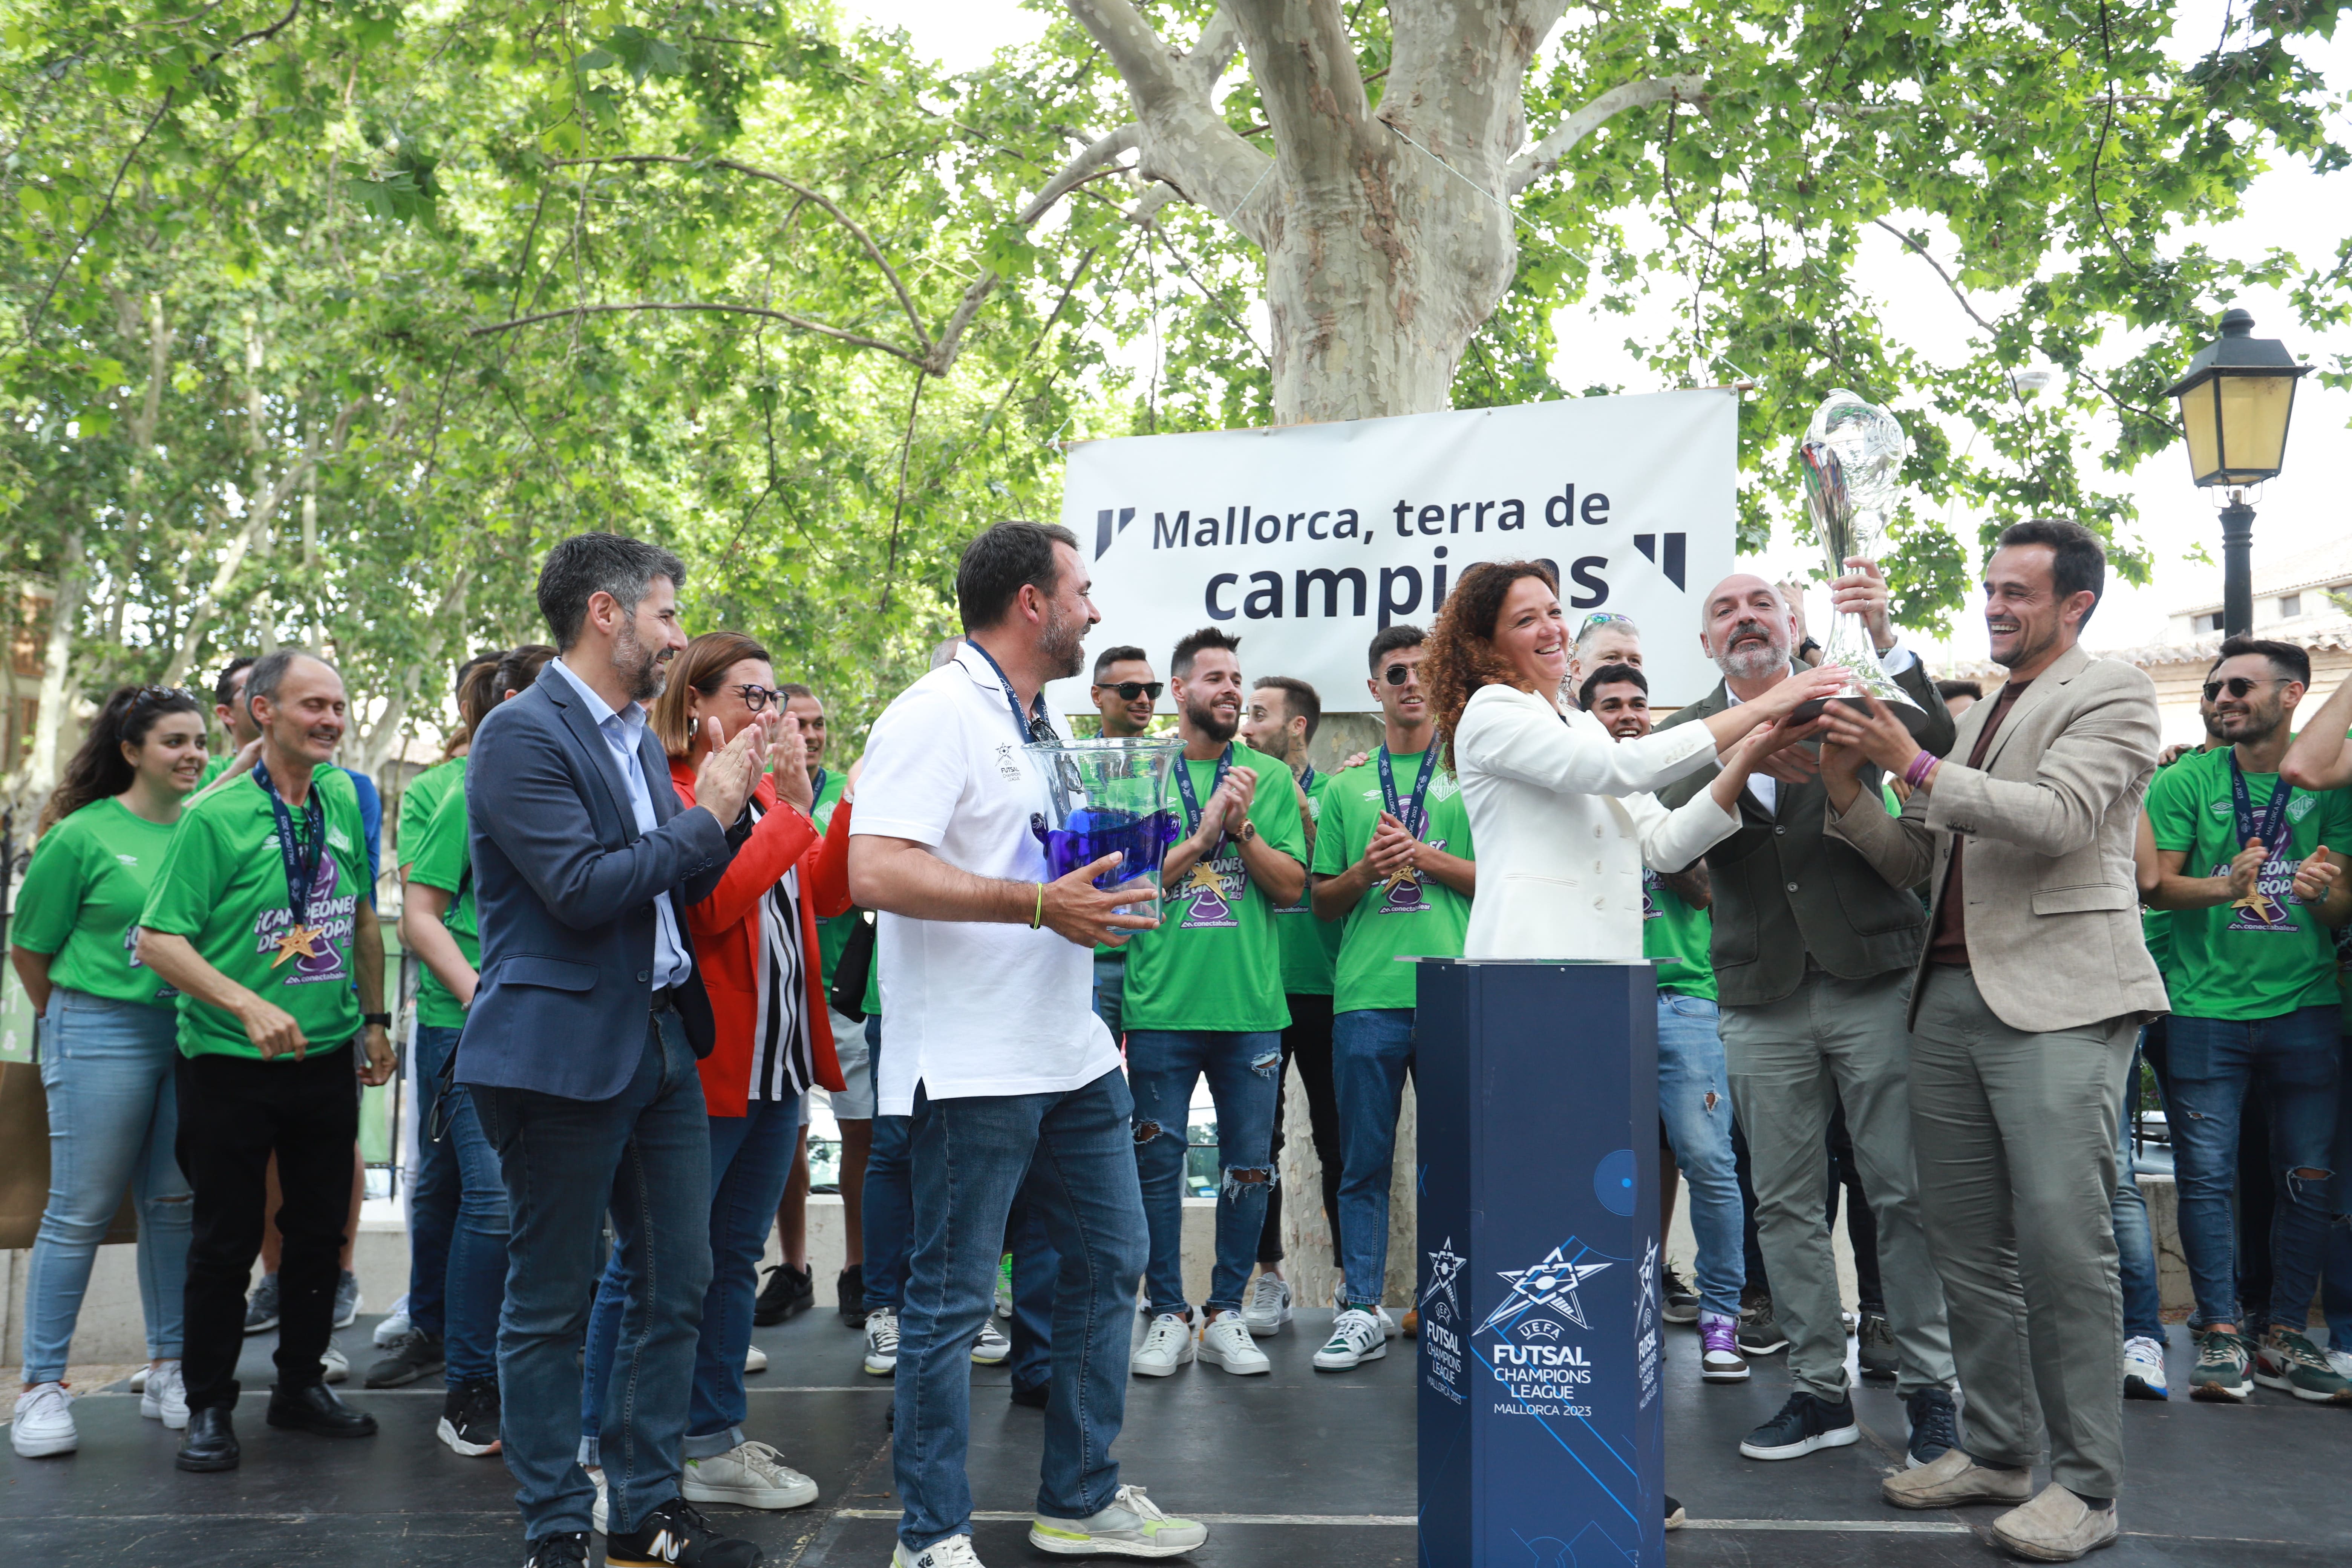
x,y
995,1051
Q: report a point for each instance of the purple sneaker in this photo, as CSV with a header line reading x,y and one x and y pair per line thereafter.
x,y
1720,1360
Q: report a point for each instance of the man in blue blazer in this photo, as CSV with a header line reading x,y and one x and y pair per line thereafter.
x,y
580,1043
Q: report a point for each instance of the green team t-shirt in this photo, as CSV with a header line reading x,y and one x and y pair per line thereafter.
x,y
419,801
223,887
1679,937
2245,963
1400,920
81,898
1213,961
1310,948
437,859
832,935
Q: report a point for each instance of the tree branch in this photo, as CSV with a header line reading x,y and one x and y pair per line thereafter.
x,y
803,323
1541,160
906,451
1184,141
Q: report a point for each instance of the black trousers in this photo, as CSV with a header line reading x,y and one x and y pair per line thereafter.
x,y
1308,1042
235,1112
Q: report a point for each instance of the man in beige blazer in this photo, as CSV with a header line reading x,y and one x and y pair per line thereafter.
x,y
2032,986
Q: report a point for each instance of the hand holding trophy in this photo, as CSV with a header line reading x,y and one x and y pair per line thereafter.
x,y
1849,461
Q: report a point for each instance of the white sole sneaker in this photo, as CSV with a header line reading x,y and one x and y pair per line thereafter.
x,y
1835,1437
447,1432
1242,1358
772,1498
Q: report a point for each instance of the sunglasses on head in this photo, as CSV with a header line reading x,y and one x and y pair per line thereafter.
x,y
1397,674
1128,690
148,696
756,698
1603,618
2239,686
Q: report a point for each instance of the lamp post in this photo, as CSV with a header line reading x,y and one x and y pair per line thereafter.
x,y
2235,403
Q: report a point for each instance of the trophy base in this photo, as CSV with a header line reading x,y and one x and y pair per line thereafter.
x,y
1914,717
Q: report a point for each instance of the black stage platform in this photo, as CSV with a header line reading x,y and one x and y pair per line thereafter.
x,y
1297,1468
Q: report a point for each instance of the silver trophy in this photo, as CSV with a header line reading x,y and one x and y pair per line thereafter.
x,y
1849,460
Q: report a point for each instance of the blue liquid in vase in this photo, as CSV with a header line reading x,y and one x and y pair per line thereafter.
x,y
1093,833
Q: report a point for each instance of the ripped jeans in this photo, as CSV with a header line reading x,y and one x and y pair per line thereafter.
x,y
2212,1062
1243,1074
1371,1052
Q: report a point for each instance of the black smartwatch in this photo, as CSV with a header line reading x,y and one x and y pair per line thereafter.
x,y
381,1020
1811,644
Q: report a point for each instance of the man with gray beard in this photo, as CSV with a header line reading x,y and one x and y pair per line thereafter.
x,y
1814,953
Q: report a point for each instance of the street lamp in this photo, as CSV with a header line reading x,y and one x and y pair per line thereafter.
x,y
2235,406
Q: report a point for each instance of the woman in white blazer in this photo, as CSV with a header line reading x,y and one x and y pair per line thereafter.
x,y
1561,811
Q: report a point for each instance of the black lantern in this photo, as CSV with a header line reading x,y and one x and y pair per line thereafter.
x,y
2235,403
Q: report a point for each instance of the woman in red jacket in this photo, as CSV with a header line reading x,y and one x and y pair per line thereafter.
x,y
755,946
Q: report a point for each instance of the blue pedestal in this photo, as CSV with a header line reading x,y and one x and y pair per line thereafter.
x,y
1539,1388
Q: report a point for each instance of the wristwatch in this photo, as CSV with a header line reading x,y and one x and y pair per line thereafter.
x,y
381,1020
1248,832
1811,644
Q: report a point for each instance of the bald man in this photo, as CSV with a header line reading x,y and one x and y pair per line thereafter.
x,y
1814,953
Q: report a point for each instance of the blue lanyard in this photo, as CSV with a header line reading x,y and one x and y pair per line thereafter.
x,y
816,787
302,860
1414,813
2273,819
1029,726
1193,801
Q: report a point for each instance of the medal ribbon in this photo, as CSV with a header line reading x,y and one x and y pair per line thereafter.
x,y
1030,726
1193,801
2273,820
301,860
1414,813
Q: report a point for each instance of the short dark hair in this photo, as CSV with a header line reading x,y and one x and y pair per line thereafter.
x,y
1388,639
225,687
1947,689
520,667
1298,699
2079,559
2284,657
587,565
792,689
269,673
1120,654
1610,675
1206,638
1003,559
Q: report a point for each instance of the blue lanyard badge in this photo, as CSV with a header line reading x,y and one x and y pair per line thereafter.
x,y
1193,801
1036,726
1414,813
302,861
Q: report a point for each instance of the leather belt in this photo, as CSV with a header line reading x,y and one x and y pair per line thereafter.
x,y
665,999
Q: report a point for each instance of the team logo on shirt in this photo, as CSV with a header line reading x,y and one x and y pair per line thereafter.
x,y
310,945
1212,888
1650,911
1008,763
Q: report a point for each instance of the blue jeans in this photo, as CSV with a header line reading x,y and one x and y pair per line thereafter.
x,y
1069,1156
2134,1244
456,1220
1244,1073
889,1222
1110,990
113,1118
1035,1267
1371,1051
2212,1061
1694,1100
750,1157
644,1156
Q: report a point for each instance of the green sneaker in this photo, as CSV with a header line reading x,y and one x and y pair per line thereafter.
x,y
2293,1365
1132,1526
1004,1286
2221,1371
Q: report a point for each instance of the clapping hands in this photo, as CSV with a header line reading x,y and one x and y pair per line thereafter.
x,y
731,769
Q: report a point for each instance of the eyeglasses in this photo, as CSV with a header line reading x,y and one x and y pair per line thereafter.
x,y
1397,674
1603,618
756,698
2239,686
1128,690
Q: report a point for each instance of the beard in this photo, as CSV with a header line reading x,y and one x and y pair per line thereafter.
x,y
644,669
1755,660
1061,643
1211,722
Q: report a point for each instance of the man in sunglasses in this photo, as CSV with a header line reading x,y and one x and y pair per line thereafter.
x,y
1605,637
2245,861
1123,693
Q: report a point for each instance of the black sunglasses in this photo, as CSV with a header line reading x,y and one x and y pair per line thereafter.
x,y
1128,690
2239,685
1397,674
756,698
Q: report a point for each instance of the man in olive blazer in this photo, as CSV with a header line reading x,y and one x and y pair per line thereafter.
x,y
2028,998
1813,950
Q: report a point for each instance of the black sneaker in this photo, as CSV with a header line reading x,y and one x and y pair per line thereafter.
x,y
261,1309
788,1293
1874,1349
1935,1425
1805,1423
1759,1333
413,1355
1673,1511
561,1550
675,1536
851,1291
1682,1301
469,1418
1033,1398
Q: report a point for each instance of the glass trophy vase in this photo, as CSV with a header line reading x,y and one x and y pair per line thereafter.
x,y
1107,797
1848,463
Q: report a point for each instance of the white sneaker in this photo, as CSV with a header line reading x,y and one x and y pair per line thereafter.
x,y
755,1360
1167,1345
44,1422
1389,1329
749,1474
596,1512
335,1365
1356,1337
2144,1376
2342,1362
395,1325
955,1552
882,1341
1132,1526
1269,1307
165,1397
139,1379
1226,1343
992,1347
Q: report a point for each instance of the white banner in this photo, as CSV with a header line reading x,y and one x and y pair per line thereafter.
x,y
1305,541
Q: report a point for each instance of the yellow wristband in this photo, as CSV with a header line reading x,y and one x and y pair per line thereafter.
x,y
1038,918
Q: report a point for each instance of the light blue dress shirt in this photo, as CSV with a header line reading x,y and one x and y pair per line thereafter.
x,y
621,732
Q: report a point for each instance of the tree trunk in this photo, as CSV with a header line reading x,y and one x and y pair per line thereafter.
x,y
57,664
